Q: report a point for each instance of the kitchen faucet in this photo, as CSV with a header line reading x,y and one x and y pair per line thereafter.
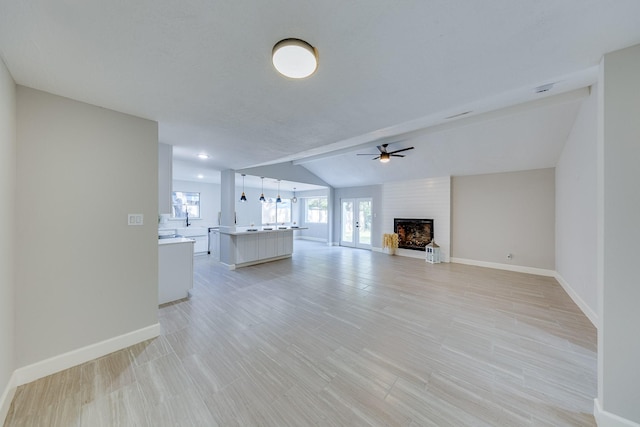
x,y
188,223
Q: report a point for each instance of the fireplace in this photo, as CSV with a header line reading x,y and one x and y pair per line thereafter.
x,y
413,233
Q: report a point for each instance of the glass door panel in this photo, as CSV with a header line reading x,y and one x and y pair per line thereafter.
x,y
347,223
363,239
356,222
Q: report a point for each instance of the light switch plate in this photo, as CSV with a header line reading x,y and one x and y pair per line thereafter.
x,y
135,219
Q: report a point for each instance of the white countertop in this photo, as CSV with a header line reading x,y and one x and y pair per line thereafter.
x,y
174,240
235,231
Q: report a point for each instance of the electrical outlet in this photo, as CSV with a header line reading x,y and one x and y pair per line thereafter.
x,y
135,219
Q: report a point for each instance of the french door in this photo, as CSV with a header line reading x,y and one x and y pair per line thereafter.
x,y
356,220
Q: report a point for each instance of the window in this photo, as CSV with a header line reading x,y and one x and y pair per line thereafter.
x,y
315,210
273,212
183,202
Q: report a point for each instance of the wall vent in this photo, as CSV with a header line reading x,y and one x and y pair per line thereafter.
x,y
458,115
543,88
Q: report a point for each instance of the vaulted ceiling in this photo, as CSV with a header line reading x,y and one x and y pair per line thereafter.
x,y
388,71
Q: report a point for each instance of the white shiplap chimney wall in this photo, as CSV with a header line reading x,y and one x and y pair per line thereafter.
x,y
422,198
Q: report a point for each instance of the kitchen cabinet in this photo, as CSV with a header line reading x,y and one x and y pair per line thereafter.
x,y
175,269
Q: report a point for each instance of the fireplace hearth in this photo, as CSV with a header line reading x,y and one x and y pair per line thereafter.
x,y
413,233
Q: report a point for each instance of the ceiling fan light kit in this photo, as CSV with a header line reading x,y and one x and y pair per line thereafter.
x,y
384,156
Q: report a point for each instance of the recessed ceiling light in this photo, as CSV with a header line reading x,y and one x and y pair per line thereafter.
x,y
200,176
203,156
295,58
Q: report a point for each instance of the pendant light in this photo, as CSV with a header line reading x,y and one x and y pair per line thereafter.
x,y
294,199
243,198
278,200
262,199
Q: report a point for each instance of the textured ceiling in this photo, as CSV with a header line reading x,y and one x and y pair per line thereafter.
x,y
202,70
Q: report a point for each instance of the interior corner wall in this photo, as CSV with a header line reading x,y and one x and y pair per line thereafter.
x,y
165,177
576,209
618,237
83,274
428,198
7,218
494,215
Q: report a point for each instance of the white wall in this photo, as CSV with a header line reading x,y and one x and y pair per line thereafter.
x,y
423,198
314,231
209,202
7,218
165,177
246,213
83,275
505,213
576,214
618,237
250,212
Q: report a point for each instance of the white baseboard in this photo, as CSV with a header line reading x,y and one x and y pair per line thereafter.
x,y
408,253
607,419
7,397
591,315
230,267
258,261
76,357
411,254
508,267
312,239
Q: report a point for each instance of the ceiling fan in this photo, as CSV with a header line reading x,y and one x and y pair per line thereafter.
x,y
385,155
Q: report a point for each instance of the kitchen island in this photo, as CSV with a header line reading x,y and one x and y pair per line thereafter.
x,y
244,246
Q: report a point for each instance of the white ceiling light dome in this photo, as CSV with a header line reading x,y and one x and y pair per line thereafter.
x,y
295,58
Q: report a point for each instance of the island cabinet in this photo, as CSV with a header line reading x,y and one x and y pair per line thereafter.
x,y
240,248
247,248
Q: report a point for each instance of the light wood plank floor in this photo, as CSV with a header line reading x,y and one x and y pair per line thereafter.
x,y
340,337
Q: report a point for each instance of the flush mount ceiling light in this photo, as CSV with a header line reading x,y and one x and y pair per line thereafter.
x,y
295,58
203,156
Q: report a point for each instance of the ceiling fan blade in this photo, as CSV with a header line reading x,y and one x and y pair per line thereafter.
x,y
399,151
383,148
396,155
376,158
367,154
